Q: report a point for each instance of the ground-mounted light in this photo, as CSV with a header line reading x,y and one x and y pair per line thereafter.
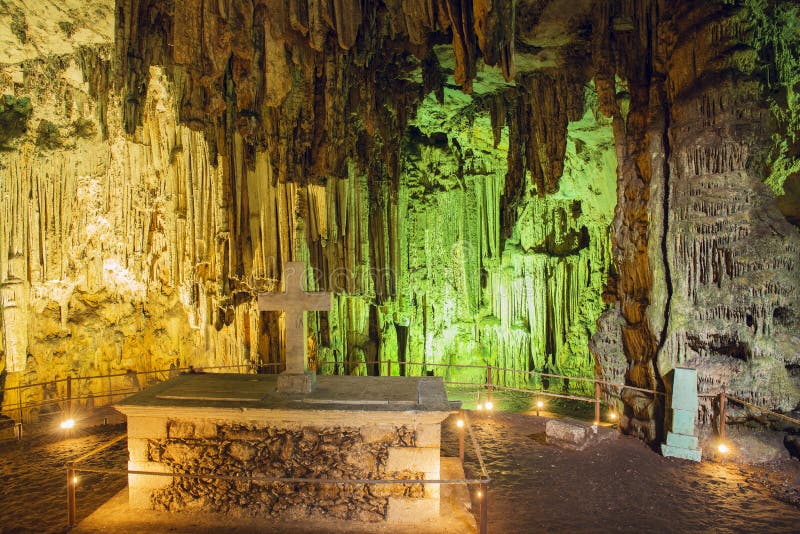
x,y
67,424
74,480
723,449
479,407
613,416
539,404
479,494
489,405
460,423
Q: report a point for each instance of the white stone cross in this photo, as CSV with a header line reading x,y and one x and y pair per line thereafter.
x,y
294,302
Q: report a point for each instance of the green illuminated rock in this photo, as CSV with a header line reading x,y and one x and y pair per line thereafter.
x,y
526,303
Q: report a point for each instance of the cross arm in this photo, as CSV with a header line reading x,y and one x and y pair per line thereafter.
x,y
313,301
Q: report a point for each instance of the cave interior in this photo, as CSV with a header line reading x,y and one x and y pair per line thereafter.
x,y
589,188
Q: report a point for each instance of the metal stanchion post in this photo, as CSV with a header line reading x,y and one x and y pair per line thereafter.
x,y
19,408
461,439
597,403
69,397
71,505
489,382
484,508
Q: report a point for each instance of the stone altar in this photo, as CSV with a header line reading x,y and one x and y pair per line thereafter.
x,y
347,427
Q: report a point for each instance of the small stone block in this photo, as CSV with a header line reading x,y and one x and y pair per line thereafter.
x,y
569,433
425,460
139,498
140,487
684,389
403,510
296,382
679,452
683,422
432,490
147,427
137,450
377,433
191,429
681,440
429,435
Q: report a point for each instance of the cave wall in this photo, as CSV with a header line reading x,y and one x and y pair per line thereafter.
x,y
476,183
706,258
732,254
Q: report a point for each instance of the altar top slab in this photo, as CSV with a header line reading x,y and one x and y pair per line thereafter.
x,y
259,392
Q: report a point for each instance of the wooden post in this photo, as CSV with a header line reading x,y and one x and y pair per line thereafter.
x,y
71,505
722,402
69,397
597,403
461,439
19,406
489,383
484,508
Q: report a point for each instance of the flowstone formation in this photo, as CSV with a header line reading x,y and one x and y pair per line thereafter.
x,y
733,311
521,302
477,182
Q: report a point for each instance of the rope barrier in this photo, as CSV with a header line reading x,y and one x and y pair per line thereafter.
x,y
477,448
547,394
98,449
279,480
764,410
20,407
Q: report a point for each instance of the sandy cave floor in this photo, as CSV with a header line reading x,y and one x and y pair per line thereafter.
x,y
620,485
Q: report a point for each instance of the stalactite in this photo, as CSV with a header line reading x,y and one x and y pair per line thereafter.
x,y
634,61
531,305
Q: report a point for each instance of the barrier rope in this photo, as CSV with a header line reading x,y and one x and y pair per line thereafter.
x,y
764,410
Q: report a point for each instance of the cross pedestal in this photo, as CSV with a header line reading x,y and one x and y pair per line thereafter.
x,y
294,302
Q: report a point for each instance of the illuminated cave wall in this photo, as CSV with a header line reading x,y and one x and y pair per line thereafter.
x,y
468,294
476,183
